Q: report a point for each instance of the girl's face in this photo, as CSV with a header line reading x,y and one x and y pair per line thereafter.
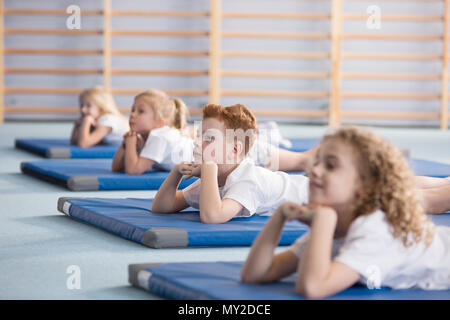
x,y
334,178
143,118
212,144
89,108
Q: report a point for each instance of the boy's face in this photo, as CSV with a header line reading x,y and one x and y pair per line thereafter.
x,y
212,145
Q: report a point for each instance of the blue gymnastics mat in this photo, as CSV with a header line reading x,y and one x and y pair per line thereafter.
x,y
221,281
93,175
133,220
96,174
62,149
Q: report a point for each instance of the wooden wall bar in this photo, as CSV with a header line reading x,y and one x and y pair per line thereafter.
x,y
216,55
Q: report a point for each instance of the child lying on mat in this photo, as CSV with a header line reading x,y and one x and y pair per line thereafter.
x,y
100,120
231,185
366,225
156,124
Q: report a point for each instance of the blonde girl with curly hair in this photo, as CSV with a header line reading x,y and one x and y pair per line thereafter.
x,y
156,132
100,120
366,225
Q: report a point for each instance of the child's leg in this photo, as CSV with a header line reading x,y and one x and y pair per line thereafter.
x,y
422,182
436,200
285,160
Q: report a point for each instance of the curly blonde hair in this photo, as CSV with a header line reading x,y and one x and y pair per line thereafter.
x,y
387,184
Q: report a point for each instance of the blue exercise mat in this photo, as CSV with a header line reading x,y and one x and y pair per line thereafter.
x,y
221,281
62,149
133,220
93,175
96,174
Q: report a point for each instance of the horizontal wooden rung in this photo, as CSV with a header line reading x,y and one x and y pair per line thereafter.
x,y
276,35
390,115
376,36
276,15
11,11
163,33
390,76
181,92
147,13
159,72
394,17
74,32
390,95
390,56
159,53
276,54
275,74
53,51
276,93
53,70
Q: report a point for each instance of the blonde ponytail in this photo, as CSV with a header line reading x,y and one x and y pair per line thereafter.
x,y
181,114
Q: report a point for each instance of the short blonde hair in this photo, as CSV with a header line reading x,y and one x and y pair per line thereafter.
x,y
172,110
387,184
102,98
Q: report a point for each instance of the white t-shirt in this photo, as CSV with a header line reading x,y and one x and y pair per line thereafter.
x,y
370,249
167,147
118,128
259,190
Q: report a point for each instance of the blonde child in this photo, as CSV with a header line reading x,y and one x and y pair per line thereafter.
x,y
366,225
230,184
100,120
155,139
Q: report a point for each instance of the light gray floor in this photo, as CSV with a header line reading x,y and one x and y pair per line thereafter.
x,y
38,244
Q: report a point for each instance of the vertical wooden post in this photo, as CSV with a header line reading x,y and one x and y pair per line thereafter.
x,y
336,25
107,44
214,51
444,93
2,69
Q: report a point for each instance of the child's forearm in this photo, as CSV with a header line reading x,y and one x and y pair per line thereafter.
x,y
210,201
260,258
165,197
75,134
316,259
131,159
118,160
83,134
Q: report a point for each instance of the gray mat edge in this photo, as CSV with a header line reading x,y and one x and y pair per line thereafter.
x,y
158,238
82,183
58,153
135,268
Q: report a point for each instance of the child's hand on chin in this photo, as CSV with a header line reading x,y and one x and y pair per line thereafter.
x,y
189,169
304,213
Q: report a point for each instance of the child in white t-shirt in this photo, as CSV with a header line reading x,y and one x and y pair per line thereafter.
x,y
100,120
366,225
231,184
155,139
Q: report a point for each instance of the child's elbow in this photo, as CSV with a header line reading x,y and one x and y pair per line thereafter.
x,y
309,290
132,171
247,277
208,218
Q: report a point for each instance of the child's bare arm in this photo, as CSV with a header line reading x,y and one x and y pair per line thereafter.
x,y
212,208
262,265
318,275
168,199
88,138
133,163
119,159
75,131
